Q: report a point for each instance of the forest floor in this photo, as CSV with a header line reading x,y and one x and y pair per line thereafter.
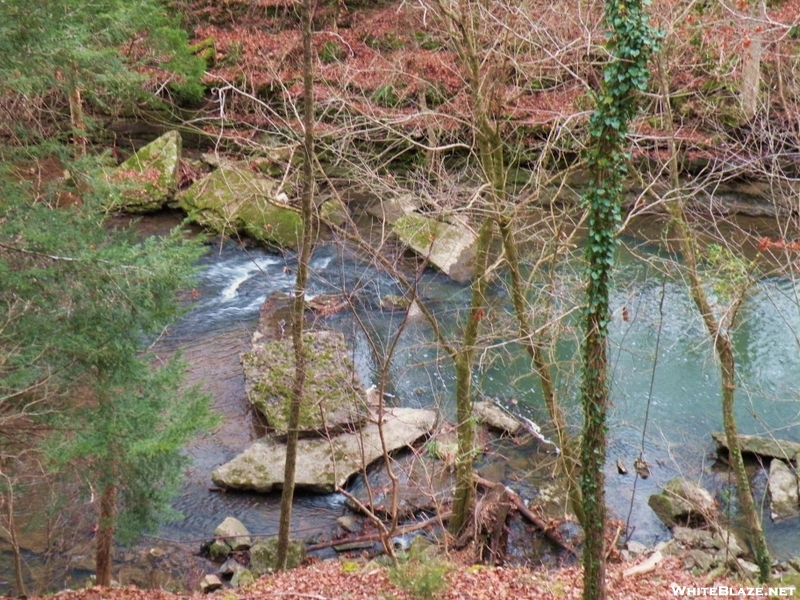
x,y
329,580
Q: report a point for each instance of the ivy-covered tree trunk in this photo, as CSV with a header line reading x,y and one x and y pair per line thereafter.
x,y
298,307
630,43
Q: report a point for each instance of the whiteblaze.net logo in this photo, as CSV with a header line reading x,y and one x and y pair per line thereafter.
x,y
733,591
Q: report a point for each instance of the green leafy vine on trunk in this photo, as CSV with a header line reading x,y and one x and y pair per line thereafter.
x,y
631,41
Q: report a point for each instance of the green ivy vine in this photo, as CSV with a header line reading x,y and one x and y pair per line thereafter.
x,y
630,42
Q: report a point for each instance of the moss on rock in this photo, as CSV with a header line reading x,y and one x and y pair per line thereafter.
x,y
333,398
264,555
448,247
233,200
149,178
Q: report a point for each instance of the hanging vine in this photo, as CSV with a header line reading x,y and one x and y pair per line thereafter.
x,y
631,41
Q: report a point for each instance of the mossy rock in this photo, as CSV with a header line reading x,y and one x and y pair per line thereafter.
x,y
333,212
243,578
264,554
233,200
219,550
325,464
333,399
149,178
448,247
683,502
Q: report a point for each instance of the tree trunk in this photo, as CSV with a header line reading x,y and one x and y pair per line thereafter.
x,y
722,345
568,458
751,67
104,554
465,485
12,534
298,308
601,244
76,117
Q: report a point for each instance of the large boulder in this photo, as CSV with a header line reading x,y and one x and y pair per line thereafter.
x,y
783,492
682,502
762,446
323,464
234,200
333,399
447,246
149,178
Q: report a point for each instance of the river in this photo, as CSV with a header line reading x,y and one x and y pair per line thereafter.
x,y
673,397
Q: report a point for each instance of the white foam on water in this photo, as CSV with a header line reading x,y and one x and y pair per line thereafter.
x,y
236,274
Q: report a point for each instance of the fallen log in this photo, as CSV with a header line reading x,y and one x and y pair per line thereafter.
x,y
534,519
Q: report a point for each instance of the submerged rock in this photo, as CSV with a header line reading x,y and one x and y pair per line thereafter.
x,y
682,501
448,247
150,177
264,554
323,464
333,399
783,492
232,200
761,446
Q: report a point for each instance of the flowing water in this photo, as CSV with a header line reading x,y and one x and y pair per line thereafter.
x,y
679,414
665,405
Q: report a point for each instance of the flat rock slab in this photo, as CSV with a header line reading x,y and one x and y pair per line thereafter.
x,y
492,415
322,464
390,210
448,247
333,399
761,446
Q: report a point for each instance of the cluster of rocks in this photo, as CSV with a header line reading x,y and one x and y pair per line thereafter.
x,y
691,512
253,198
783,481
242,558
342,430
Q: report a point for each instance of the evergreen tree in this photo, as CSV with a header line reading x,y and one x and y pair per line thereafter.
x,y
61,50
80,301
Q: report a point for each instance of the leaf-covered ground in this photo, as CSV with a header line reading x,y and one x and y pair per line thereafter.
x,y
328,580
